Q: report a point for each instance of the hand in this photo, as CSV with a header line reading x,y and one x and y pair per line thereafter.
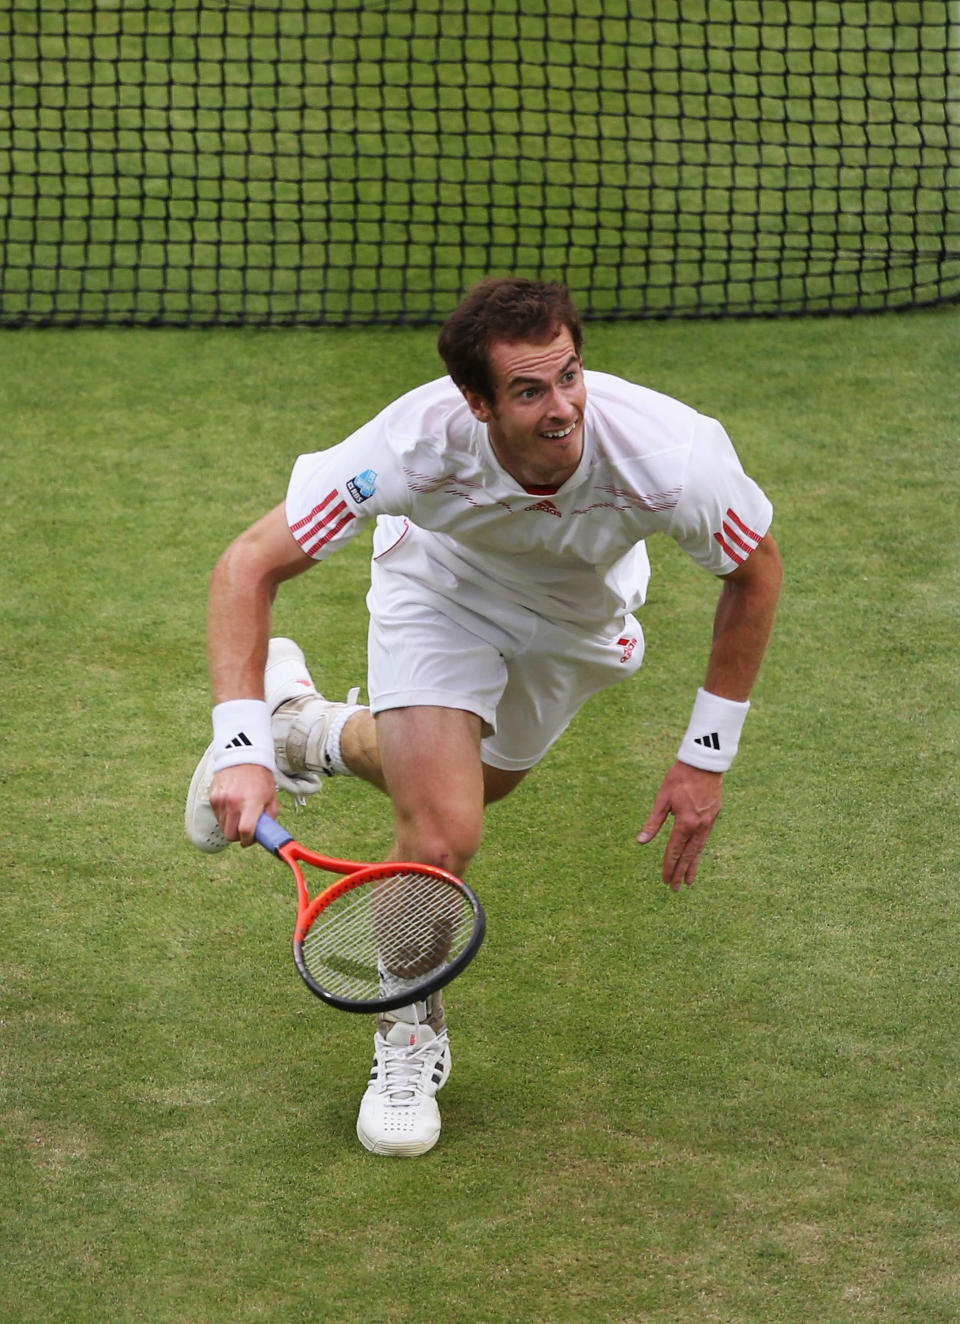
x,y
693,797
238,796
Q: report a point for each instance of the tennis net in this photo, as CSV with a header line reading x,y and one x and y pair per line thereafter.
x,y
279,162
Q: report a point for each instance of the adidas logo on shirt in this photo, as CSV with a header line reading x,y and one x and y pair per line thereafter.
x,y
547,506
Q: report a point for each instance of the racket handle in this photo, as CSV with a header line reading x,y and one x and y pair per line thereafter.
x,y
270,834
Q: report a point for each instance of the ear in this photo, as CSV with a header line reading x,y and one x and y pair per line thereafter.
x,y
477,404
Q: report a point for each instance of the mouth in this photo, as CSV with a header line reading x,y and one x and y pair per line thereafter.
x,y
560,434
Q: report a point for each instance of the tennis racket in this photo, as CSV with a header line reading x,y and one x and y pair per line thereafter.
x,y
383,935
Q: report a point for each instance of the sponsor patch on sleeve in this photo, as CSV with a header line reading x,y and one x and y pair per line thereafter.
x,y
363,485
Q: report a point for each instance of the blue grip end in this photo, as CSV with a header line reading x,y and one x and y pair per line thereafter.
x,y
270,834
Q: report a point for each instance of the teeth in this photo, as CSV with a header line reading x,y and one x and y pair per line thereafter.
x,y
555,436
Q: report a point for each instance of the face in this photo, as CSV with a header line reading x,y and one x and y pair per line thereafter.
x,y
535,421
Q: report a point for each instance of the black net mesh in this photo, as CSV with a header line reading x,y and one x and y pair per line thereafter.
x,y
308,161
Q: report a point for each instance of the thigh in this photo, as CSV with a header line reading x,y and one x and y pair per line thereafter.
x,y
430,758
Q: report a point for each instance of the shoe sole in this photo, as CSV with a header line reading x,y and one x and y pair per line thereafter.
x,y
213,841
407,1149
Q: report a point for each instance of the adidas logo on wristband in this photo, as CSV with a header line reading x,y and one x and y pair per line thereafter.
x,y
713,714
241,734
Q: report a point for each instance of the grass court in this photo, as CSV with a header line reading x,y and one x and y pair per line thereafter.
x,y
736,1104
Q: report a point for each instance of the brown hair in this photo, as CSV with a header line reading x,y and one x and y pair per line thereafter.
x,y
508,308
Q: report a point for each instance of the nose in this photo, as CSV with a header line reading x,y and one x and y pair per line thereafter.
x,y
560,406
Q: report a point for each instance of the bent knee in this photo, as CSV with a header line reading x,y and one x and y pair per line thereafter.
x,y
446,840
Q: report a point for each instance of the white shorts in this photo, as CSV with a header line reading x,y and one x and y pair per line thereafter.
x,y
524,676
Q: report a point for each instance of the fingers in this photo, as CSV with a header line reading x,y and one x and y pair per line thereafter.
x,y
238,796
693,797
654,823
682,856
247,826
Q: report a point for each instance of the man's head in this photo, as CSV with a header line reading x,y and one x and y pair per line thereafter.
x,y
513,347
508,310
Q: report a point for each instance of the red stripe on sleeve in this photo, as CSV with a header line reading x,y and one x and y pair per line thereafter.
x,y
735,537
308,519
734,556
732,514
330,533
318,525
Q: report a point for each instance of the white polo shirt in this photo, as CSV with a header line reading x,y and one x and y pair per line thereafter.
x,y
452,519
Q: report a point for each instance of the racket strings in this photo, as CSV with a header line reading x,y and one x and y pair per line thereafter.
x,y
403,927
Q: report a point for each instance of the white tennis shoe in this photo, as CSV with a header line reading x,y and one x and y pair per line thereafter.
x,y
203,830
302,718
398,1113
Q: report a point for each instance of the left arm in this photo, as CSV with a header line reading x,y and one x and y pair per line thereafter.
x,y
741,630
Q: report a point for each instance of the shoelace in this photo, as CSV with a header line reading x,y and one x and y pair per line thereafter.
x,y
402,1069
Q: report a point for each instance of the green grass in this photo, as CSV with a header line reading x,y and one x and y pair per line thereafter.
x,y
333,161
737,1104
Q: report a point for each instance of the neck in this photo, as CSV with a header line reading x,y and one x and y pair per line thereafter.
x,y
529,475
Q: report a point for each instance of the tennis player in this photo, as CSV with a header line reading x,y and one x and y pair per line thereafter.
x,y
512,500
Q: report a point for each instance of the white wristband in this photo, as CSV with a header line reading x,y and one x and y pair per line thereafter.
x,y
713,734
241,734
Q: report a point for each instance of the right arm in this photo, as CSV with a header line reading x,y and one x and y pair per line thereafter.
x,y
242,588
327,507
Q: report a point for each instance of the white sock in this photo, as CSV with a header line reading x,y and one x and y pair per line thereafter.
x,y
331,750
414,1013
